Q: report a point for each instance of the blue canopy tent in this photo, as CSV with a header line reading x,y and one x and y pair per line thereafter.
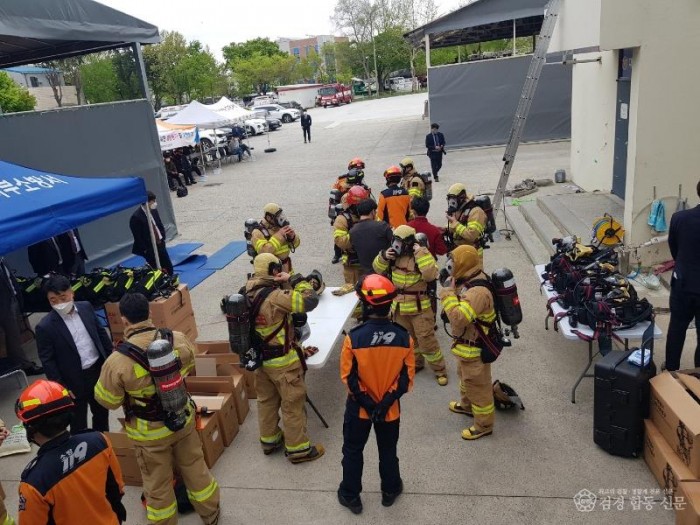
x,y
36,205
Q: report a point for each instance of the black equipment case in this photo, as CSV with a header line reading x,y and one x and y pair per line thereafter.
x,y
621,400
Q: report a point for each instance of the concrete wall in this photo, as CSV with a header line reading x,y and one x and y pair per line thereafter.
x,y
45,99
665,115
578,26
593,121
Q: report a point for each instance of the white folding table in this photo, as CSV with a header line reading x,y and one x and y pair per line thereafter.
x,y
326,322
564,327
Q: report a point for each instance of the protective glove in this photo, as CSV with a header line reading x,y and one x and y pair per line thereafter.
x,y
380,411
366,402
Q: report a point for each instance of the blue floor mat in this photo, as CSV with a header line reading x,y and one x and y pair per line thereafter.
x,y
178,254
193,262
195,277
225,255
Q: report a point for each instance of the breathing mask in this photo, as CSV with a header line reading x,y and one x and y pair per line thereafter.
x,y
447,272
452,205
399,246
281,220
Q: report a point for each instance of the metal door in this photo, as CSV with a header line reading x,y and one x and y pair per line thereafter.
x,y
624,78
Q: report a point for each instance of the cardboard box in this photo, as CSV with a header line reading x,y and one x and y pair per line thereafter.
x,y
232,384
126,456
165,313
168,313
225,409
688,503
668,469
675,411
188,326
220,351
211,437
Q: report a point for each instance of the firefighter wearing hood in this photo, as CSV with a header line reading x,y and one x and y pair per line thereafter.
x,y
466,222
276,236
279,382
466,305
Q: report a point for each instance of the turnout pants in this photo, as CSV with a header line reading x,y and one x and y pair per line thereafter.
x,y
684,308
476,391
181,451
421,327
282,389
355,435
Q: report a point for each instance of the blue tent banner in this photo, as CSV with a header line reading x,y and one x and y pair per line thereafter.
x,y
36,205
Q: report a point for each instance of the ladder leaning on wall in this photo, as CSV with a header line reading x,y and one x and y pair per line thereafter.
x,y
539,58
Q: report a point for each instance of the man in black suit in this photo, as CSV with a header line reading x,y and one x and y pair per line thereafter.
x,y
60,254
10,310
72,252
683,240
435,144
73,347
143,245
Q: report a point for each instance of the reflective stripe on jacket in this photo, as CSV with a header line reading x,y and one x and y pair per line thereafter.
x,y
410,273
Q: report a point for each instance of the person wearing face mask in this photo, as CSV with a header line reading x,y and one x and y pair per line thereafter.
x,y
74,478
143,245
466,221
73,347
276,236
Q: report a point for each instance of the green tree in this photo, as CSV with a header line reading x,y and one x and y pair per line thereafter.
x,y
393,52
99,79
14,97
128,86
233,53
260,73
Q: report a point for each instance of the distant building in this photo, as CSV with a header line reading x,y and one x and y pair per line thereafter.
x,y
36,80
303,47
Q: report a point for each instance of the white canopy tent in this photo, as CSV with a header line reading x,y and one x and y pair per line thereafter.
x,y
230,109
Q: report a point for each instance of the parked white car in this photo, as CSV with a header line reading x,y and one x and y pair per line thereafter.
x,y
286,115
207,138
255,126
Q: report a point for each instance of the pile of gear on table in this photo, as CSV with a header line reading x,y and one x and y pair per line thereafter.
x,y
592,292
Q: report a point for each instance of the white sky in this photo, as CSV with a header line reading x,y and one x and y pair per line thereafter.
x,y
219,23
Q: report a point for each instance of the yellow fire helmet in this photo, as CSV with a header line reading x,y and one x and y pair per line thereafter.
x,y
404,232
406,163
264,264
466,262
456,190
272,208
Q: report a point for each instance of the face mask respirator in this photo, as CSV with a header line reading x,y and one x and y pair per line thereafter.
x,y
282,220
452,205
447,271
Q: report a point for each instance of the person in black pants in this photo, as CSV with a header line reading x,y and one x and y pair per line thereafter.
x,y
683,240
369,236
73,346
306,125
377,366
183,165
143,244
435,144
10,312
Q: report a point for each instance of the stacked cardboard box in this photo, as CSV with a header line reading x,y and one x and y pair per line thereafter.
x,y
672,441
215,358
174,312
126,455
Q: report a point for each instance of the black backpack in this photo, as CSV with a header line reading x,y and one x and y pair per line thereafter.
x,y
182,191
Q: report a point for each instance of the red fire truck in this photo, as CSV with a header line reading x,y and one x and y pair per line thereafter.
x,y
334,95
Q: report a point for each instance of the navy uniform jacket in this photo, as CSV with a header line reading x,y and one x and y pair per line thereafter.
x,y
430,142
683,240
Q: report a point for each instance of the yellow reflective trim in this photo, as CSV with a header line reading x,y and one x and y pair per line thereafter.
x,y
30,403
467,311
274,241
337,233
298,448
433,358
280,362
297,302
449,302
409,306
425,260
154,514
405,279
460,229
271,440
380,263
8,521
415,192
259,244
142,432
103,393
139,371
466,352
483,411
147,391
476,225
204,494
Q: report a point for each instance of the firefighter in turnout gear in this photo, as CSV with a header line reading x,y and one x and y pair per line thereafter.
x,y
394,204
466,306
412,181
73,478
279,382
159,449
5,518
341,235
276,236
466,222
412,268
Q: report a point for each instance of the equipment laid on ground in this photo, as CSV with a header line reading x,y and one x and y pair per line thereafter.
x,y
539,58
505,397
621,399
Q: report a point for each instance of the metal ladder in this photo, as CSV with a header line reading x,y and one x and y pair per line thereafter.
x,y
539,58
